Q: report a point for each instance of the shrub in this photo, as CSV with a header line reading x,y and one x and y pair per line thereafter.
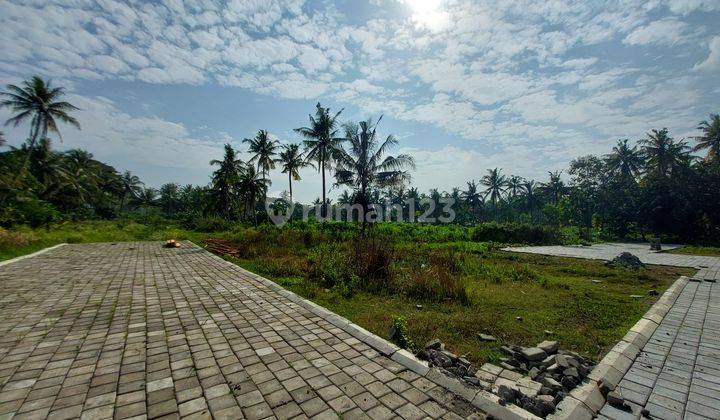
x,y
13,239
371,260
399,333
327,264
518,233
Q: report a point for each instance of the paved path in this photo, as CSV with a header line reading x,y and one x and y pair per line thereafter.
x,y
676,374
133,330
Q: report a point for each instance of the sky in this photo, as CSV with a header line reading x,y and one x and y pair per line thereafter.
x,y
523,85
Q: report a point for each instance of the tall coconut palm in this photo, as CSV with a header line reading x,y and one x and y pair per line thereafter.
x,y
292,161
514,186
625,160
224,189
38,101
321,141
147,198
253,187
473,197
263,152
364,165
555,188
710,139
663,153
131,186
495,184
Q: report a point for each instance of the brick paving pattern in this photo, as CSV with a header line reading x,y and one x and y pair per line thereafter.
x,y
133,330
677,372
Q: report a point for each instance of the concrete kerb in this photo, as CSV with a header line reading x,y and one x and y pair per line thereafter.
x,y
585,401
478,398
34,254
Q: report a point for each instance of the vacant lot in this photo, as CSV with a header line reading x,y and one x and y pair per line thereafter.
x,y
443,287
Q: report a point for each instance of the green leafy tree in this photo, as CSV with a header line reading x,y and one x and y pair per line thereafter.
x,y
663,153
263,151
495,184
710,138
225,184
365,164
253,188
38,101
625,160
131,187
321,142
292,160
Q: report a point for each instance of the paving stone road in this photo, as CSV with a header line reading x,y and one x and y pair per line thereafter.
x,y
133,330
676,374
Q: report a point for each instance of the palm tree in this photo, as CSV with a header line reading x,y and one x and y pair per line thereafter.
x,y
38,101
514,185
292,161
626,160
253,187
2,139
473,198
364,166
82,180
131,185
555,187
710,139
264,151
495,184
663,153
321,143
532,202
225,182
147,198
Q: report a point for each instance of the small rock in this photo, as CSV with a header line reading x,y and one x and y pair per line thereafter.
x,y
506,393
463,361
653,292
645,412
551,383
549,347
418,307
518,318
597,281
571,372
434,344
568,382
486,337
548,332
533,353
636,296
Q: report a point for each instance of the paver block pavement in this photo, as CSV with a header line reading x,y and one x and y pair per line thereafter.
x,y
119,330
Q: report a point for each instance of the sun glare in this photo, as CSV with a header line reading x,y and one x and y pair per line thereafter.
x,y
428,13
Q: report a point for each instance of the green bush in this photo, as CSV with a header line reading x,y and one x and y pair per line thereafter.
x,y
516,233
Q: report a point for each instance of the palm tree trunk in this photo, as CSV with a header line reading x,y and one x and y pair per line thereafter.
x,y
290,183
322,206
33,139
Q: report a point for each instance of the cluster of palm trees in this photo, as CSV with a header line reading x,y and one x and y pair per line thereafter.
x,y
658,178
357,157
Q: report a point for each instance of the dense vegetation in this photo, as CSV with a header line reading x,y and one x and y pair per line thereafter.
x,y
656,187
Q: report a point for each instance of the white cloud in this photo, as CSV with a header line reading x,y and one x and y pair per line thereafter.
x,y
660,32
712,62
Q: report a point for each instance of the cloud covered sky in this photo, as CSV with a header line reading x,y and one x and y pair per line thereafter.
x,y
465,85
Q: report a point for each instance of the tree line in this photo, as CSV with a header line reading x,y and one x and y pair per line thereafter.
x,y
657,185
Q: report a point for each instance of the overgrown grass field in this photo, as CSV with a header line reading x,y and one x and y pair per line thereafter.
x,y
443,283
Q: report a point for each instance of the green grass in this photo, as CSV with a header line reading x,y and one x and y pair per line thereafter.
x,y
549,293
710,251
23,240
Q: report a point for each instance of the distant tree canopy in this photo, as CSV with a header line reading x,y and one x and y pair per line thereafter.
x,y
654,186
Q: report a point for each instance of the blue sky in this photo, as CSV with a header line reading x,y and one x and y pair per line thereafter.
x,y
465,85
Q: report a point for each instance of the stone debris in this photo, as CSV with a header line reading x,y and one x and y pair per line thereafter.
x,y
535,379
626,260
486,337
